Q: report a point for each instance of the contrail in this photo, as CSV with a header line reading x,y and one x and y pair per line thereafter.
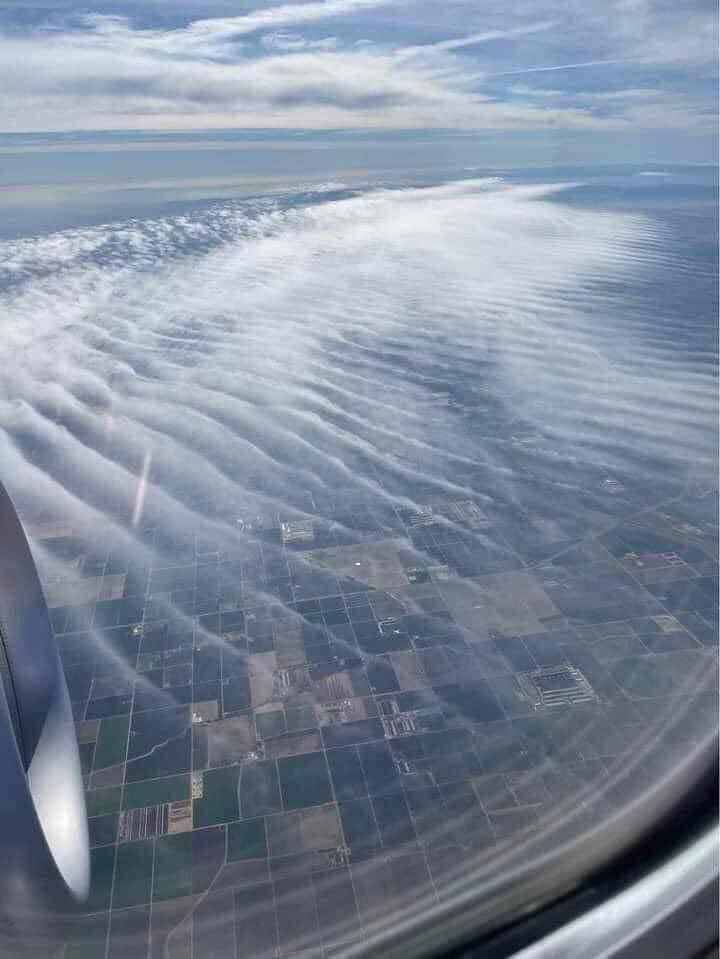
x,y
561,66
473,39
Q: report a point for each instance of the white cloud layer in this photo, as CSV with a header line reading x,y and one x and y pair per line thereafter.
x,y
259,375
263,69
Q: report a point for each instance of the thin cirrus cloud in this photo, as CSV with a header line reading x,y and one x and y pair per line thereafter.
x,y
295,41
210,37
345,64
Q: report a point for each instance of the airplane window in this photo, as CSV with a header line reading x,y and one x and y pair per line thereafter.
x,y
358,381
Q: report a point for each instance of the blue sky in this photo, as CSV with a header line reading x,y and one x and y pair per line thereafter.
x,y
620,66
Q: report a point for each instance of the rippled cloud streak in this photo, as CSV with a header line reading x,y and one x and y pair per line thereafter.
x,y
259,363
